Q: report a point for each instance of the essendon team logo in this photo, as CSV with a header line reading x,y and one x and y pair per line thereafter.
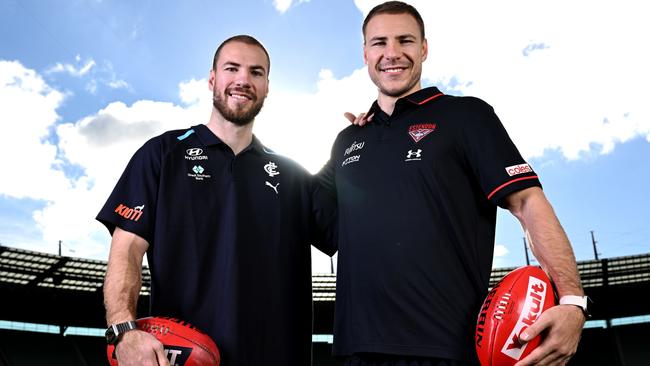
x,y
418,132
129,213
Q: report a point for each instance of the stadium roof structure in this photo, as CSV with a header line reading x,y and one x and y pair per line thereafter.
x,y
59,290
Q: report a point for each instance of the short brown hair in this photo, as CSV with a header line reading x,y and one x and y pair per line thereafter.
x,y
243,38
394,7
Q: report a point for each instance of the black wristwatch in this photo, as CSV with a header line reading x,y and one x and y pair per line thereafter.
x,y
114,331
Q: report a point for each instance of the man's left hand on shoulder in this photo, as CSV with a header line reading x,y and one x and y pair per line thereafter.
x,y
358,120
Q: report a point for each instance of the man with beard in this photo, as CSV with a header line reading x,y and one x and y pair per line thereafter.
x,y
417,190
226,225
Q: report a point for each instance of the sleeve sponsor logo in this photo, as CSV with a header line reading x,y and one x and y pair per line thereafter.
x,y
129,213
518,169
420,131
532,309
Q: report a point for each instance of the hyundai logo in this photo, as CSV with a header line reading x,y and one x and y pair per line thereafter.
x,y
194,151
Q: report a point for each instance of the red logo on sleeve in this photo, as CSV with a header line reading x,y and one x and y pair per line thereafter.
x,y
518,169
129,213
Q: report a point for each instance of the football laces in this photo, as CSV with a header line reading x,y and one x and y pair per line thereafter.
x,y
500,309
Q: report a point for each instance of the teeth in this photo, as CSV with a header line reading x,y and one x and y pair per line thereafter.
x,y
237,96
398,69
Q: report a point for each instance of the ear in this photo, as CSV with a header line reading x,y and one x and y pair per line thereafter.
x,y
266,92
425,49
365,54
211,80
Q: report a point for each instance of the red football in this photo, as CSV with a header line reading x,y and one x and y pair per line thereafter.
x,y
514,304
184,344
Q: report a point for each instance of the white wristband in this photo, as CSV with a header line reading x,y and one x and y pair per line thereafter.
x,y
579,301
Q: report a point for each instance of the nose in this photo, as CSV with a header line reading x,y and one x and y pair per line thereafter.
x,y
243,79
393,50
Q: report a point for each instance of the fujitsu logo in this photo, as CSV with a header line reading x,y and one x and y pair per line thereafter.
x,y
518,169
530,312
354,147
129,213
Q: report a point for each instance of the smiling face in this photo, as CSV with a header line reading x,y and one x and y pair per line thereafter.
x,y
239,82
394,51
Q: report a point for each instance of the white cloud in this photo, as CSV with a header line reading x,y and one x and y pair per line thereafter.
x,y
576,91
100,144
500,250
117,84
27,111
76,71
283,5
303,126
91,86
98,75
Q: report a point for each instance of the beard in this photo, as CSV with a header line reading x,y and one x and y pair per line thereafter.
x,y
240,115
397,93
399,90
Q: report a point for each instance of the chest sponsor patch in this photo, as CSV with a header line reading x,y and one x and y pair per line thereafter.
x,y
195,153
350,160
420,131
518,169
198,173
354,147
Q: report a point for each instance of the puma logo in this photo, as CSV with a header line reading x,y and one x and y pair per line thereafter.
x,y
275,187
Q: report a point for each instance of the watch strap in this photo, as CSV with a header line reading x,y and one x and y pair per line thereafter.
x,y
114,331
121,328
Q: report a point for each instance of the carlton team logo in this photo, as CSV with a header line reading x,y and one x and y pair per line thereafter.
x,y
418,132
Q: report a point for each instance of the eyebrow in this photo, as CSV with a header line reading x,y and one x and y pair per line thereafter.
x,y
384,38
235,64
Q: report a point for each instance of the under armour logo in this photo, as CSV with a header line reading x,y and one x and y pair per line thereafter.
x,y
414,155
275,187
270,169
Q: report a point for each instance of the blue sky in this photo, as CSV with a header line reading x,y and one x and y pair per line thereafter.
x,y
84,83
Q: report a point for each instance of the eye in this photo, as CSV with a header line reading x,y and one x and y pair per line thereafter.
x,y
378,43
231,69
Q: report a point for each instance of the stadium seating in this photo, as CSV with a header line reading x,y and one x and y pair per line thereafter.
x,y
21,348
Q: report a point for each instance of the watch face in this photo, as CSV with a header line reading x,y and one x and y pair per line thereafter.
x,y
110,336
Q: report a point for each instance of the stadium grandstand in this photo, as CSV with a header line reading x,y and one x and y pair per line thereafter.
x,y
51,310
